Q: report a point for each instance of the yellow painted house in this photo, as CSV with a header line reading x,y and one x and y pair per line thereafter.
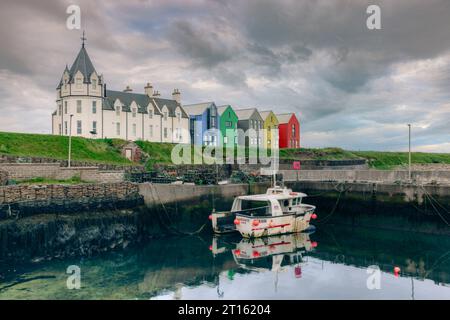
x,y
270,123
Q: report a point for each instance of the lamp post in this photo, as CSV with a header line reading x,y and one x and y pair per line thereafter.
x,y
409,151
70,140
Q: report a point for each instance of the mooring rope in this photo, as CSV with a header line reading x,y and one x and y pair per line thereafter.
x,y
172,227
431,199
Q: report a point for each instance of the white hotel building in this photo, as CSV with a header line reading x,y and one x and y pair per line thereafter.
x,y
87,109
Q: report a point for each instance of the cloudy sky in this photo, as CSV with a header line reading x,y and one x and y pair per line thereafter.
x,y
351,87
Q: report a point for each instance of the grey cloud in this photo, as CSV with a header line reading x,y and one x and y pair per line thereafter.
x,y
316,58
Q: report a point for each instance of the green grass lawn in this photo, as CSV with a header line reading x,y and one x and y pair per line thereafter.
x,y
56,147
388,160
108,151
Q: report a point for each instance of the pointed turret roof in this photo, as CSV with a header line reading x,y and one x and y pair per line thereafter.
x,y
83,64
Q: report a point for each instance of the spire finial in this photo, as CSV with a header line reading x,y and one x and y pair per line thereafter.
x,y
83,38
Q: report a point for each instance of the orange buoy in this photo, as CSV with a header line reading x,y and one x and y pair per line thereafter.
x,y
237,252
255,223
314,216
210,217
256,254
236,221
314,244
210,248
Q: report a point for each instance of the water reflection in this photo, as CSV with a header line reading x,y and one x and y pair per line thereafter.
x,y
328,264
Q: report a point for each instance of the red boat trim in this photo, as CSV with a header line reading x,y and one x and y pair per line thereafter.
x,y
277,226
273,244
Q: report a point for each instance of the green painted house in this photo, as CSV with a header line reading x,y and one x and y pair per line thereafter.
x,y
228,125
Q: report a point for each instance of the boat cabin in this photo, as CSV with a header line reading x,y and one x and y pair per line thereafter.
x,y
275,202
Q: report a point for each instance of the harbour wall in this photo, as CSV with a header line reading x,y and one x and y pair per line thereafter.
x,y
422,176
155,194
24,171
26,200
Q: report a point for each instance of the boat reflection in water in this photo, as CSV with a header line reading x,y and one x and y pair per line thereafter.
x,y
273,253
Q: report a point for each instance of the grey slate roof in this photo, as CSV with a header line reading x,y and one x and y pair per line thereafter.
x,y
284,117
264,114
245,114
142,100
83,64
221,109
171,105
197,108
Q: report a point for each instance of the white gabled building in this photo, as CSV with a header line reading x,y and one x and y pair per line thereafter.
x,y
91,111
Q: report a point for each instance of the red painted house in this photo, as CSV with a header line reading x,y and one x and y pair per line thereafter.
x,y
289,130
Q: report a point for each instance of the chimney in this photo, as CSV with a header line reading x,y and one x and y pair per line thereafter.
x,y
128,89
176,95
156,93
148,89
104,89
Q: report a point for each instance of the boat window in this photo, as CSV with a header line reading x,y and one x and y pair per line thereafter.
x,y
255,208
286,203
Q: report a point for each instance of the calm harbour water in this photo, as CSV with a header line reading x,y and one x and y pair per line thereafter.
x,y
330,263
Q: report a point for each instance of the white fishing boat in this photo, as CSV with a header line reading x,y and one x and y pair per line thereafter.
x,y
278,211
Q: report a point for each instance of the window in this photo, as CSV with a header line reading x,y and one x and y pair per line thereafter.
x,y
60,130
179,116
118,111
228,124
94,107
59,110
65,107
151,131
176,133
65,128
165,132
118,128
150,113
78,83
165,115
94,126
293,130
78,106
251,124
134,129
225,140
79,127
65,84
94,84
133,112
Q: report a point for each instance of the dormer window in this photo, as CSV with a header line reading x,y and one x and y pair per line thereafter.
x,y
94,84
118,111
165,115
133,112
179,116
150,113
78,83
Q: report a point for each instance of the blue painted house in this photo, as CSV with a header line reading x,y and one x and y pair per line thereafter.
x,y
204,125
